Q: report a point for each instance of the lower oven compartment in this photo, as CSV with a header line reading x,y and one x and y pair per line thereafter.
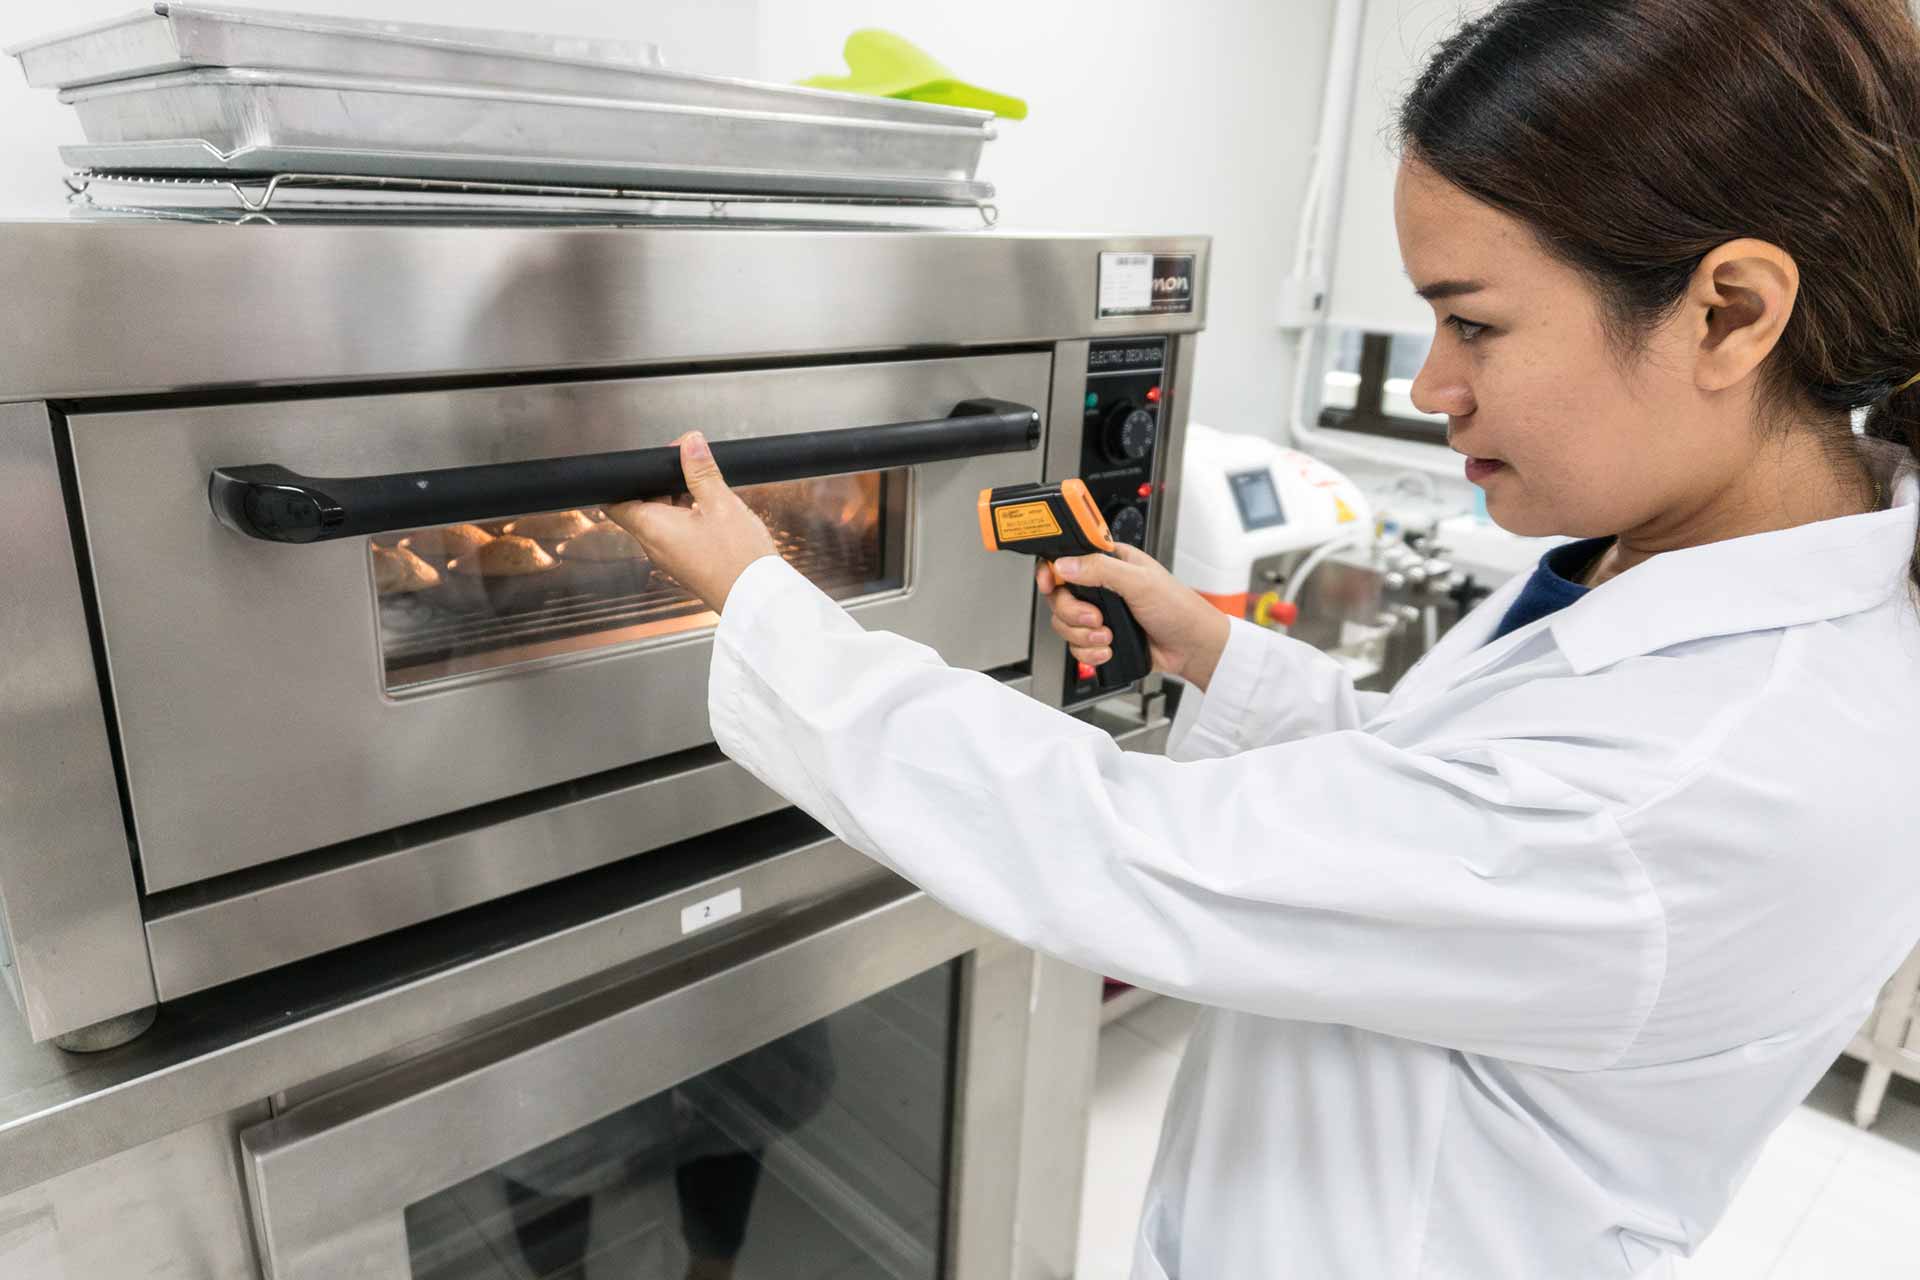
x,y
275,699
795,1103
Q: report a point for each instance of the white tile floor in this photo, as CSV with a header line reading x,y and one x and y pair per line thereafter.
x,y
1826,1202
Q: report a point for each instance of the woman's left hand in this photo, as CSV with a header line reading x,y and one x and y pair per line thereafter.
x,y
707,545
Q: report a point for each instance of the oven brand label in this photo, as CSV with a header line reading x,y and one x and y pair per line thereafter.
x,y
1028,520
1145,284
711,911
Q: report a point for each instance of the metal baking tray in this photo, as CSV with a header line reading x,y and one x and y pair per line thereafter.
x,y
177,37
345,124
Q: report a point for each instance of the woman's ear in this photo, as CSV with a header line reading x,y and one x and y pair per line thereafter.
x,y
1738,304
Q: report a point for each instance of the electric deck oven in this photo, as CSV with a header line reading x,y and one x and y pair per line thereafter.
x,y
345,732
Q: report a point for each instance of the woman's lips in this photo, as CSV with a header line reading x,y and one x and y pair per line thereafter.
x,y
1479,469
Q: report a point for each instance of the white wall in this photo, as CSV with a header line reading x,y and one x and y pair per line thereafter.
x,y
1147,116
1370,290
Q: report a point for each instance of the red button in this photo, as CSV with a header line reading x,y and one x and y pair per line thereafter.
x,y
1153,395
1145,491
1085,671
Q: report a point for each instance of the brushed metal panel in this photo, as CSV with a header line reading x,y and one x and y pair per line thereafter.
x,y
68,916
128,307
171,1208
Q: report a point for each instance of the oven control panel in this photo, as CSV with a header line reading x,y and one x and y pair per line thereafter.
x,y
1119,443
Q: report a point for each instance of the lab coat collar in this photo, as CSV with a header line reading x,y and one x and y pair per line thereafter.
x,y
1827,569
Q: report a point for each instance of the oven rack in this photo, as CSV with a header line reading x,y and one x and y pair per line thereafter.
x,y
255,196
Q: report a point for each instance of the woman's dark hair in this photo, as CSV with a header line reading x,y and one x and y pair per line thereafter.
x,y
1636,136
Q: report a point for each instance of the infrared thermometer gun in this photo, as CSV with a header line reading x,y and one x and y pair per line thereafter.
x,y
1054,520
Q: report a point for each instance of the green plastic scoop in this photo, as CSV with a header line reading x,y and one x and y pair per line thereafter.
x,y
884,65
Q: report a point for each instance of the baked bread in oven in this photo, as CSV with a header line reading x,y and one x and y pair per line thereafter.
x,y
604,543
508,556
448,542
554,526
398,571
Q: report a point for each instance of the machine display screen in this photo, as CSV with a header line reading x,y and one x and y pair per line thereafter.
x,y
1259,504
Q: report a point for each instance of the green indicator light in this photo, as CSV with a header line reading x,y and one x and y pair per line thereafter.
x,y
1093,400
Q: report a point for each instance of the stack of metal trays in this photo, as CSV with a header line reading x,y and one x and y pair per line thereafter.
x,y
185,89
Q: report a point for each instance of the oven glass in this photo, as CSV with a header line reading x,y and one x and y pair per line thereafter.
x,y
821,1156
458,599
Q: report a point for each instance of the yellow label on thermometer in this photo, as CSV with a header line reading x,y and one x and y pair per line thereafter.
x,y
1028,520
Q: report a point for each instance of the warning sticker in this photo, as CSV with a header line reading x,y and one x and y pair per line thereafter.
x,y
1028,520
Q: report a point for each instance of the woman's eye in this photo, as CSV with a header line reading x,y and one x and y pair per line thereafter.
x,y
1467,329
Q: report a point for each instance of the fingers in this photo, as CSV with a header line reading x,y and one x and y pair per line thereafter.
x,y
704,481
1094,637
647,521
1072,610
1097,571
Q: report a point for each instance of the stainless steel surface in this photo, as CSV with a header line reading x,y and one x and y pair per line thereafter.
x,y
190,156
235,110
1173,444
1062,1045
228,1048
207,940
201,938
990,1075
170,1209
174,37
70,937
307,305
331,1180
321,754
301,195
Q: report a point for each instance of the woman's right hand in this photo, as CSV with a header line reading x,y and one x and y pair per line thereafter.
x,y
1185,634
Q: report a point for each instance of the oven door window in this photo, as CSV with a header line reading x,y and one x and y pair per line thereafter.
x,y
821,1155
468,598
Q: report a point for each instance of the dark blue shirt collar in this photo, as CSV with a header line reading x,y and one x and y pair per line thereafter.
x,y
1553,586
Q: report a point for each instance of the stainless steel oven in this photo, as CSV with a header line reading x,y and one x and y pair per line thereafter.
x,y
353,739
322,624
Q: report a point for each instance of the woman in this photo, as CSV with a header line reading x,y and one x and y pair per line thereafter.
x,y
1510,973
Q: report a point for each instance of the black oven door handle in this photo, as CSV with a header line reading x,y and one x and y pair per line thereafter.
x,y
274,504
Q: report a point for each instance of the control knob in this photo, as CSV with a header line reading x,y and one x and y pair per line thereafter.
x,y
1129,433
1127,523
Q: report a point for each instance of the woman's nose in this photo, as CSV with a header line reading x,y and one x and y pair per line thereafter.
x,y
1439,389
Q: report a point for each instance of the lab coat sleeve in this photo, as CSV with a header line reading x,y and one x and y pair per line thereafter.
x,y
1469,899
1269,688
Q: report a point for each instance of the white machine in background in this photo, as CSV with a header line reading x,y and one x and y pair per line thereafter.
x,y
1249,509
1278,537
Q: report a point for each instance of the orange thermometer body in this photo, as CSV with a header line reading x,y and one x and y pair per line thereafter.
x,y
1052,520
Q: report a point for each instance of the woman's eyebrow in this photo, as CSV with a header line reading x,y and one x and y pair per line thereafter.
x,y
1449,289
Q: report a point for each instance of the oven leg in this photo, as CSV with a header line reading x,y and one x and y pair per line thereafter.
x,y
109,1034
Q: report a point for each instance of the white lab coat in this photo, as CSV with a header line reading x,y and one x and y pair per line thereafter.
x,y
1511,973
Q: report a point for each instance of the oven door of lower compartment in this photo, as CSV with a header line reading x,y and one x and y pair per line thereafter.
x,y
273,697
797,1104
